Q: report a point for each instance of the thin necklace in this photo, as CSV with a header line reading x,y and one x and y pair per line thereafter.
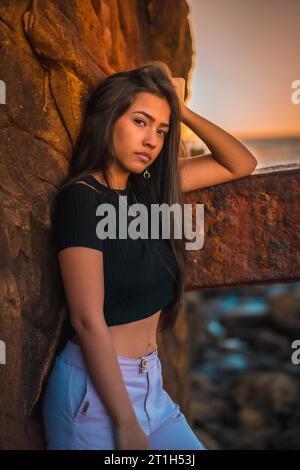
x,y
138,212
117,192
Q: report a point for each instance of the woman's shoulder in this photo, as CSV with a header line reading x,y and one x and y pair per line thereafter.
x,y
81,189
76,200
74,217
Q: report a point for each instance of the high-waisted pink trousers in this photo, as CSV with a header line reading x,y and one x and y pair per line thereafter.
x,y
74,416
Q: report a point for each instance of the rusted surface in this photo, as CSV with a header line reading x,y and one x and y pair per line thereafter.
x,y
52,54
251,231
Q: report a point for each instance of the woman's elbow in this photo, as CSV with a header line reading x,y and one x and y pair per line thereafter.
x,y
249,166
94,322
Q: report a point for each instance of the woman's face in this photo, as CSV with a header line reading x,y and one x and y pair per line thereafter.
x,y
134,132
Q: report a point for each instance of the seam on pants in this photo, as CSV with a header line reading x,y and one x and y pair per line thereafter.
x,y
145,402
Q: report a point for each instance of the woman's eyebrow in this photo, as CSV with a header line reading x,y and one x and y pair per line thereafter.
x,y
163,124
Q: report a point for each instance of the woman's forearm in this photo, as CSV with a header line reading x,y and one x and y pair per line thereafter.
x,y
102,364
225,148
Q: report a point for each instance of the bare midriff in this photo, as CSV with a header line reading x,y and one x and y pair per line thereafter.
x,y
135,339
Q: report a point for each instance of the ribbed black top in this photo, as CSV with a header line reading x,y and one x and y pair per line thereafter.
x,y
137,282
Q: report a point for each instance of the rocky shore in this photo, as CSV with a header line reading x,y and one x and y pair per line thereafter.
x,y
245,380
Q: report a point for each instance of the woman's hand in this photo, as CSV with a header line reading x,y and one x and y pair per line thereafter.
x,y
131,437
179,85
178,82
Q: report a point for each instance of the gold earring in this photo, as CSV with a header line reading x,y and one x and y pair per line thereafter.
x,y
146,174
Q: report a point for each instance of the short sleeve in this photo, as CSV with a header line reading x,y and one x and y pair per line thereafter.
x,y
74,218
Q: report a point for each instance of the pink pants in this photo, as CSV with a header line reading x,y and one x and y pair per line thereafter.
x,y
75,417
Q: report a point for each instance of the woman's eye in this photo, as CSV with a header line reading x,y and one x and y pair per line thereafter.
x,y
141,120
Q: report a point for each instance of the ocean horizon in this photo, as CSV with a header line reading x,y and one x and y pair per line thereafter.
x,y
269,151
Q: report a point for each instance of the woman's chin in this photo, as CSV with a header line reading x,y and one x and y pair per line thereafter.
x,y
137,169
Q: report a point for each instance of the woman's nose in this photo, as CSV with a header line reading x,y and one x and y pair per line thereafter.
x,y
151,139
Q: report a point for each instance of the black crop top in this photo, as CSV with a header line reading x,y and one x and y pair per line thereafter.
x,y
137,283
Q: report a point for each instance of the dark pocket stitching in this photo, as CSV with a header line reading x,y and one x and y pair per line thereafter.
x,y
83,408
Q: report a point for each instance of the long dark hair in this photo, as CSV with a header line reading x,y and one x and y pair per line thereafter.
x,y
93,152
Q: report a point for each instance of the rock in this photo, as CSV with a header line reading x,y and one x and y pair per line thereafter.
x,y
236,322
266,340
207,440
201,385
210,409
53,54
272,393
251,418
284,311
289,439
199,336
230,438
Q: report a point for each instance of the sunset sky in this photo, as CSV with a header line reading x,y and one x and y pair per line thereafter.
x,y
246,56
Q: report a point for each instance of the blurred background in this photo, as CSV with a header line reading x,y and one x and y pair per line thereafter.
x,y
245,380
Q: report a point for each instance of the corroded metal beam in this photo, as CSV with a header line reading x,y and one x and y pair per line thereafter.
x,y
251,230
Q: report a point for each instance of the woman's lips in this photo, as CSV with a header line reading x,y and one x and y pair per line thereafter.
x,y
143,157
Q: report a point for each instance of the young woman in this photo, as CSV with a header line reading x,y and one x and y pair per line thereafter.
x,y
105,390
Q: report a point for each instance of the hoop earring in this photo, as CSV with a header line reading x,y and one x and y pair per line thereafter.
x,y
146,174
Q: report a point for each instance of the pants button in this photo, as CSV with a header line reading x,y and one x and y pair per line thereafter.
x,y
143,365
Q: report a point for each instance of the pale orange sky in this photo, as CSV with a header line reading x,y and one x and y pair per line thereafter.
x,y
246,56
